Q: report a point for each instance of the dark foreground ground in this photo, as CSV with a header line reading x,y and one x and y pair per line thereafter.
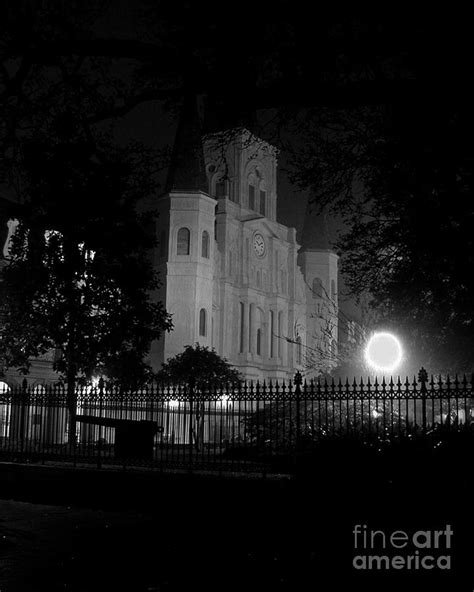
x,y
87,530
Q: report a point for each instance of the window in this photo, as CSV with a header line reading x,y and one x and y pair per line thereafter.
x,y
280,324
299,352
250,326
205,244
241,348
259,341
184,237
272,331
263,199
202,322
221,189
251,197
317,288
333,290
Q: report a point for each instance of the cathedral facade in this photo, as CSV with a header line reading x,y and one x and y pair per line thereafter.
x,y
233,277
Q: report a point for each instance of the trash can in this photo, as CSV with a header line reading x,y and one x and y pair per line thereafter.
x,y
135,439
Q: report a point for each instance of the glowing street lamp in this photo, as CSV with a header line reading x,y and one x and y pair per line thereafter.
x,y
383,352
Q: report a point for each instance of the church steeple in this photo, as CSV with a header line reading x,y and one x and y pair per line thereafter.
x,y
315,229
187,171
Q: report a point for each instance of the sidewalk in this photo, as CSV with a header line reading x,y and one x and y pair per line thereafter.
x,y
115,488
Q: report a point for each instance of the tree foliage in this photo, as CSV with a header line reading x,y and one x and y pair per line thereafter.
x,y
402,178
79,279
199,365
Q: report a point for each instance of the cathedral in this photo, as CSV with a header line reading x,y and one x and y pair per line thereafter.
x,y
233,277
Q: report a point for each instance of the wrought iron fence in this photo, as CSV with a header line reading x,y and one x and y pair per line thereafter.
x,y
241,427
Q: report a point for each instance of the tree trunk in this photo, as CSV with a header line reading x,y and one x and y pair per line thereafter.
x,y
199,427
71,406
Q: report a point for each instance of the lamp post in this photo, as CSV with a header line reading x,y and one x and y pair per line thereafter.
x,y
298,382
423,379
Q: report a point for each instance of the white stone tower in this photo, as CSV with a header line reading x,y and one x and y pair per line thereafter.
x,y
185,251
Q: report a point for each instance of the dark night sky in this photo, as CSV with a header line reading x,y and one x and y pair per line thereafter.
x,y
424,55
154,125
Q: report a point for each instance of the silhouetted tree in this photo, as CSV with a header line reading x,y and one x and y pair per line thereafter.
x,y
198,365
203,371
79,279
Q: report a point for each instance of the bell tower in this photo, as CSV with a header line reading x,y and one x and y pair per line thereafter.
x,y
319,264
185,234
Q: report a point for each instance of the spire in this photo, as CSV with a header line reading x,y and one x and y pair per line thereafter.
x,y
315,229
187,170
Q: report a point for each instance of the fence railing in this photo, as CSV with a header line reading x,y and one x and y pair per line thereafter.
x,y
241,427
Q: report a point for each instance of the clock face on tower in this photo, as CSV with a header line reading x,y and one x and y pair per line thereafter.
x,y
258,244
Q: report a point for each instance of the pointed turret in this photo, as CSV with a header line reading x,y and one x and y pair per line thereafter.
x,y
187,172
185,225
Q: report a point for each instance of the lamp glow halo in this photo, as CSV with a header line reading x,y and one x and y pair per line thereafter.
x,y
383,352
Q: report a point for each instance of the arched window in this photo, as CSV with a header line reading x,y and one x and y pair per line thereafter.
x,y
299,351
259,342
242,325
184,239
263,202
317,288
333,290
280,329
4,387
202,322
205,244
272,332
251,197
333,348
221,189
250,326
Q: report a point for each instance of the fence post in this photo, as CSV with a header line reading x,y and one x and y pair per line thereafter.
x,y
24,395
423,379
192,382
99,441
297,382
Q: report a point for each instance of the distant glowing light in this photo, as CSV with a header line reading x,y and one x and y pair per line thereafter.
x,y
383,352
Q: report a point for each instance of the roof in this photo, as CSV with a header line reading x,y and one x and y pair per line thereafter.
x,y
187,172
